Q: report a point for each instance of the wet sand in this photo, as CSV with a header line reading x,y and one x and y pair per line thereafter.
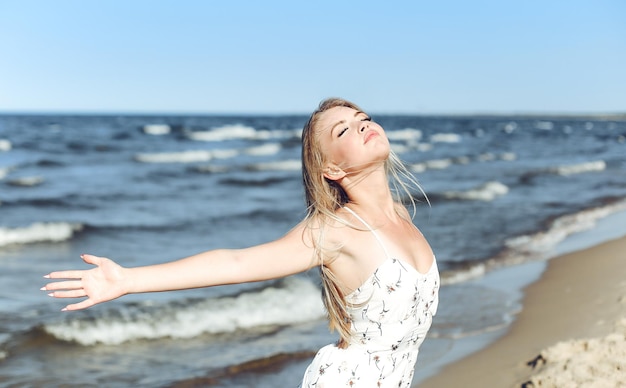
x,y
574,317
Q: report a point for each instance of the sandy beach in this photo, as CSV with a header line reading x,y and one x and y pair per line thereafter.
x,y
573,326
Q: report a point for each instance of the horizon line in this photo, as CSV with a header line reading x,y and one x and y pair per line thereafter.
x,y
26,112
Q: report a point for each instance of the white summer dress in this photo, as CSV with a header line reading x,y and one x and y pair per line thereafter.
x,y
396,305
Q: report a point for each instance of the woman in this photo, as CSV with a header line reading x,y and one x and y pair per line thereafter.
x,y
379,275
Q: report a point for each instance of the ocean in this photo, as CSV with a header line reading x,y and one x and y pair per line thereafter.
x,y
503,192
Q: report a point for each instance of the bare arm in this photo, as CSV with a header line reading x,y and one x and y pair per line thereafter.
x,y
293,253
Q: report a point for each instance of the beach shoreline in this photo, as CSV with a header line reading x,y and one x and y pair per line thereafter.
x,y
580,295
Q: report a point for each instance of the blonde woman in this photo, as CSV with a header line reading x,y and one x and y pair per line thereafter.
x,y
379,275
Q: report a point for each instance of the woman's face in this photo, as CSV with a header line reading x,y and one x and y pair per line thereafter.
x,y
350,141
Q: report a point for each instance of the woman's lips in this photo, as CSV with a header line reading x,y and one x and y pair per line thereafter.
x,y
370,135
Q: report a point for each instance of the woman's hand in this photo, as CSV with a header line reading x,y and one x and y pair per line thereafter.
x,y
105,282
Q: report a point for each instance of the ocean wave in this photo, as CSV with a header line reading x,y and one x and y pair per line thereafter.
x,y
211,169
399,148
445,138
566,170
485,192
175,157
493,309
4,339
263,150
544,125
440,164
224,153
533,246
463,272
562,227
194,156
255,181
39,232
5,145
239,131
4,171
407,134
293,300
279,165
156,129
278,134
597,165
27,181
227,132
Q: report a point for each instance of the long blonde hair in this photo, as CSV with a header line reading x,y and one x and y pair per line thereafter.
x,y
324,197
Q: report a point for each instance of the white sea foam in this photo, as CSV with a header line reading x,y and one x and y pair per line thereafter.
x,y
597,165
536,246
296,301
175,157
459,276
157,129
510,127
438,164
445,138
27,181
562,227
38,232
424,147
265,134
408,135
400,148
265,149
486,192
224,154
4,171
281,165
508,156
418,167
5,145
227,132
544,125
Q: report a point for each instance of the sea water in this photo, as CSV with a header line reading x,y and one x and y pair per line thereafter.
x,y
503,193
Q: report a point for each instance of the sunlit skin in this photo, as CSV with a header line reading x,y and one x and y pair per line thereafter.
x,y
355,150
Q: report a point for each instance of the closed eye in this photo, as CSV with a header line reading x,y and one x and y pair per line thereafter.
x,y
342,131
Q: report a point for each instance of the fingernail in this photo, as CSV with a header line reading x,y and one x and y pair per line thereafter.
x,y
51,294
64,309
46,276
42,288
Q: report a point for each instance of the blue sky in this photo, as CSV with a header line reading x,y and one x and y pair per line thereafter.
x,y
424,57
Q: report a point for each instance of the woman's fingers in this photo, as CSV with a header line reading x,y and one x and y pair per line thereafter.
x,y
78,306
66,285
77,274
91,259
68,293
95,283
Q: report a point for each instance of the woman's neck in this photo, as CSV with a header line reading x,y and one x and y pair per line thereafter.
x,y
370,194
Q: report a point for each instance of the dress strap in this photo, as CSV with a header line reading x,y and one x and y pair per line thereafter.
x,y
370,228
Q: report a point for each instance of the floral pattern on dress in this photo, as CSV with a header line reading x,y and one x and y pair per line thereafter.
x,y
395,310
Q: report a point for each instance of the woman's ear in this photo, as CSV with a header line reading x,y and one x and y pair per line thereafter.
x,y
334,173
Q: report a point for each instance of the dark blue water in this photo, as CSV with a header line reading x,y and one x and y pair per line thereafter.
x,y
503,191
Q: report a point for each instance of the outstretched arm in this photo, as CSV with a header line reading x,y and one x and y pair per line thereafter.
x,y
293,253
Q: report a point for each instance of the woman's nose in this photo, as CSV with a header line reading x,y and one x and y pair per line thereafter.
x,y
363,126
